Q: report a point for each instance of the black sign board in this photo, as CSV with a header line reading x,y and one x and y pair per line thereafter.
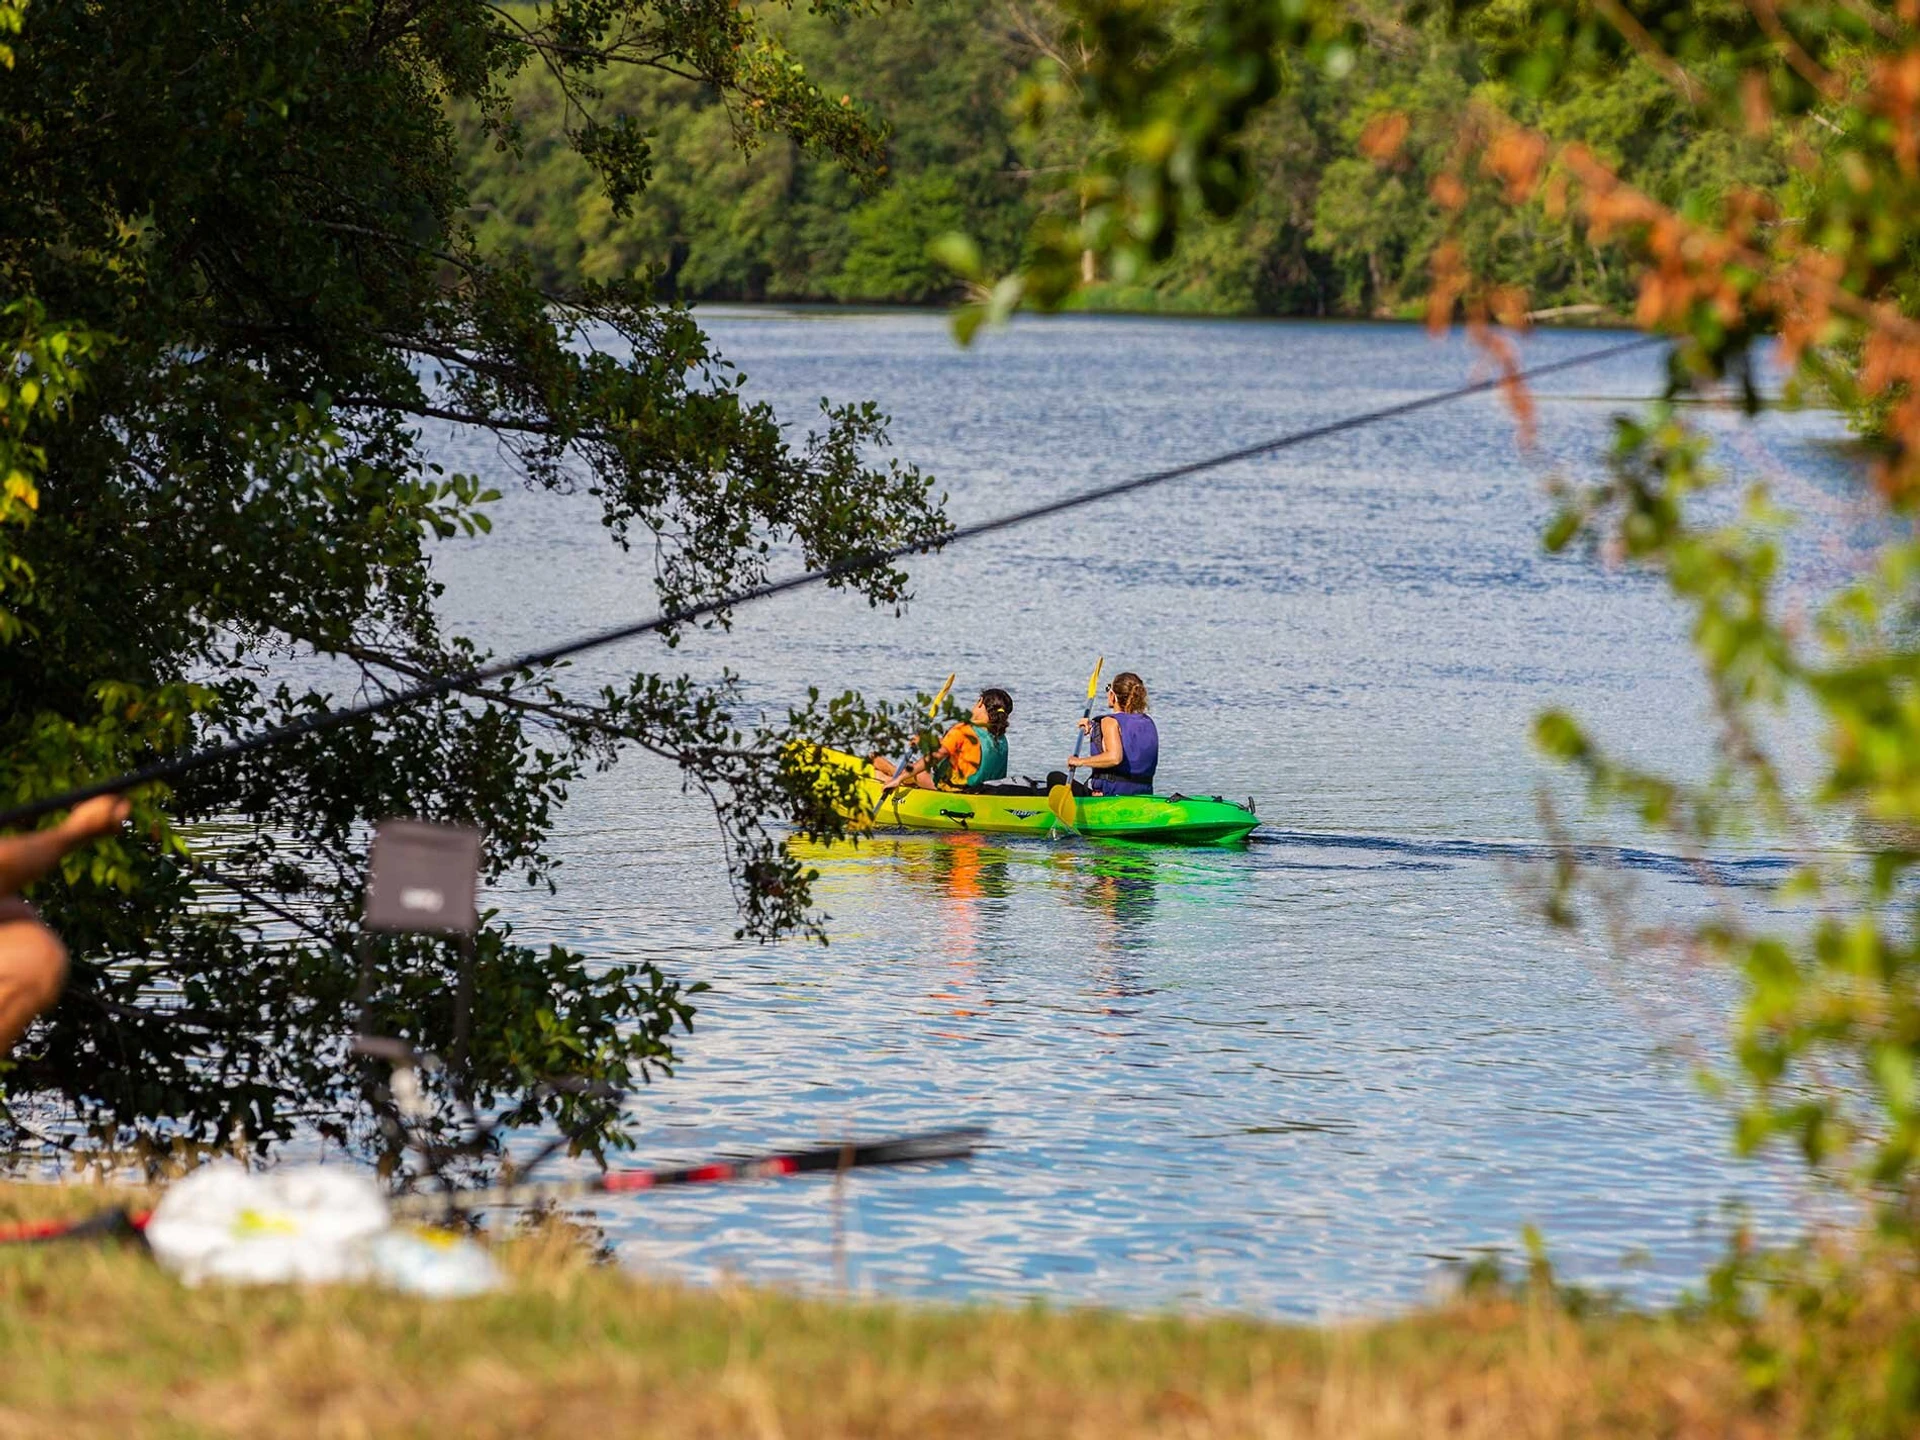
x,y
422,878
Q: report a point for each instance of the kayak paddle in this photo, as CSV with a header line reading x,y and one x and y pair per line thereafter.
x,y
958,1144
933,712
853,1155
1060,797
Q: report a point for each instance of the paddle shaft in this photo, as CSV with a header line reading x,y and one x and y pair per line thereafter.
x,y
1086,715
906,756
853,1155
1060,797
938,1145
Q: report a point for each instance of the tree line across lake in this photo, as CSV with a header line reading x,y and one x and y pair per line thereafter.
x,y
1326,231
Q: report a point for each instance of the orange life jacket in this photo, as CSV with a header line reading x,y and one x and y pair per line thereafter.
x,y
960,748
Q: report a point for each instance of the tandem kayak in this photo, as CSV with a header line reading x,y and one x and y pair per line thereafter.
x,y
1023,810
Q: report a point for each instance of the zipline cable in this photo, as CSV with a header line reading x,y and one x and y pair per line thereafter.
x,y
177,765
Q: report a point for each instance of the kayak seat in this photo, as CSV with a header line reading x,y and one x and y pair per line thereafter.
x,y
1009,787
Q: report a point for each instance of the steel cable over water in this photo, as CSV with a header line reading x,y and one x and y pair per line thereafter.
x,y
184,763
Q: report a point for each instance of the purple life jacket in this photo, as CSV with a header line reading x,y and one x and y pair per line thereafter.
x,y
1139,758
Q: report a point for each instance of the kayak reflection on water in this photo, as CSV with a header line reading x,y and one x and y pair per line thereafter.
x,y
972,877
976,878
963,871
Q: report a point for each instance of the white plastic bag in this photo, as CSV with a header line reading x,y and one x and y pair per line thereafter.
x,y
306,1223
432,1263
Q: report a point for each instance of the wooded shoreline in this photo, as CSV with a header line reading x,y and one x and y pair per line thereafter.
x,y
1326,233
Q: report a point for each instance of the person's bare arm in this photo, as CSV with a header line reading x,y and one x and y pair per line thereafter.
x,y
25,858
1111,752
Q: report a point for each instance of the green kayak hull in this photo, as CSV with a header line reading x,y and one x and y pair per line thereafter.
x,y
1150,819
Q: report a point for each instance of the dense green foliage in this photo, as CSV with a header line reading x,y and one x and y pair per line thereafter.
x,y
235,280
774,222
1317,231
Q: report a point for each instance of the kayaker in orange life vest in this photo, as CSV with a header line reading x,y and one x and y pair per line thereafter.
x,y
971,754
1125,744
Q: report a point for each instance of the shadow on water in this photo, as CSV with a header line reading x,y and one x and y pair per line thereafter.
x,y
1757,871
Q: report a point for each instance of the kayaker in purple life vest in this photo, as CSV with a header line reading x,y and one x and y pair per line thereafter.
x,y
1126,746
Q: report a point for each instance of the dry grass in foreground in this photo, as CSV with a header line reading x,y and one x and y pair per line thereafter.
x,y
95,1340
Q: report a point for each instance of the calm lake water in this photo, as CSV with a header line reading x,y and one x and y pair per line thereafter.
x,y
1298,1079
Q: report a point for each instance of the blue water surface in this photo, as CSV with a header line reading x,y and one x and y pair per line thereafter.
x,y
1299,1079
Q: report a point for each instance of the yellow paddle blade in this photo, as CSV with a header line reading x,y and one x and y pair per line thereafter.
x,y
1060,802
934,708
1093,683
893,791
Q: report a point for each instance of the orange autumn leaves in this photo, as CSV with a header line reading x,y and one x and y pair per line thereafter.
x,y
1516,155
1384,134
1829,293
1896,97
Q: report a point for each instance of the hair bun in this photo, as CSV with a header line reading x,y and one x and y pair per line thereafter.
x,y
999,705
1131,691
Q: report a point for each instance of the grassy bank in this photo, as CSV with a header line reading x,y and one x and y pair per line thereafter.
x,y
96,1340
